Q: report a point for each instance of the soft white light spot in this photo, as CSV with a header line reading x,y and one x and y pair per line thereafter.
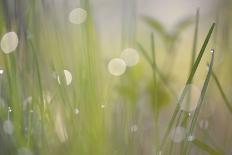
x,y
134,128
191,138
178,134
102,106
68,77
130,56
9,109
203,124
1,71
8,127
190,101
117,66
77,111
212,51
77,16
24,151
9,42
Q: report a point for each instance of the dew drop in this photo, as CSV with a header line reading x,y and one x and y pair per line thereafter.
x,y
8,127
78,16
178,134
9,42
117,66
130,56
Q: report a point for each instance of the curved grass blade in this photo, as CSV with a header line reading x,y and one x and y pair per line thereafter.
x,y
189,81
228,105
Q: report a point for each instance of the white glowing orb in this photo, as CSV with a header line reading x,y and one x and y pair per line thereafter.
x,y
77,111
191,138
78,16
117,66
8,127
9,42
24,151
1,71
68,77
191,98
130,56
178,134
102,106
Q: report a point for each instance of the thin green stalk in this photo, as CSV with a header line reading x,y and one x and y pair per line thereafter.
x,y
155,67
205,147
200,101
195,40
193,71
155,90
228,105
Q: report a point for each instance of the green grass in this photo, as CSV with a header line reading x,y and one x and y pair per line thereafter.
x,y
99,113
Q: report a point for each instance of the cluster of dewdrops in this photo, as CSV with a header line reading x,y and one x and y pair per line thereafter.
x,y
128,58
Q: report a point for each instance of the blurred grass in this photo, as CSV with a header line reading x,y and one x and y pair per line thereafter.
x,y
98,113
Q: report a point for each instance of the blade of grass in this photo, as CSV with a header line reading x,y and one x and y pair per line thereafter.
x,y
193,71
156,112
200,102
205,147
155,67
228,105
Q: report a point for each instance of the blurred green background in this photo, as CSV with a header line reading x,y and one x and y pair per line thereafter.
x,y
108,77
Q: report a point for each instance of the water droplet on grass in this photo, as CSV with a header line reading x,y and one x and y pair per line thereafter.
x,y
130,56
9,42
178,134
78,16
8,127
117,66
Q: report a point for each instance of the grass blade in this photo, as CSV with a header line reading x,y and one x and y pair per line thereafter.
x,y
193,71
228,105
155,67
200,101
206,147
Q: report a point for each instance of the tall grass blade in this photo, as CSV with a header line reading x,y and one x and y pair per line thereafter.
x,y
228,104
193,71
205,147
200,101
155,67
